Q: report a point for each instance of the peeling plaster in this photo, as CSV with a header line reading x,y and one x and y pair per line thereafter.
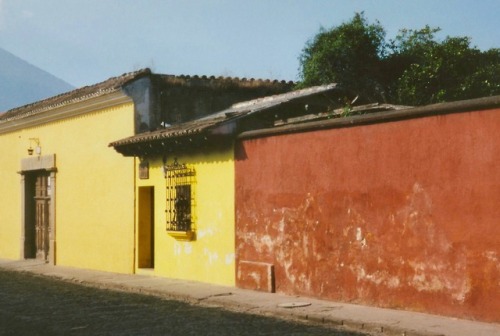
x,y
229,258
432,273
393,282
255,276
177,249
212,256
188,248
492,256
204,233
267,243
180,248
420,257
401,215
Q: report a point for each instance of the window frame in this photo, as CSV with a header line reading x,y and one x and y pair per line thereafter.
x,y
180,200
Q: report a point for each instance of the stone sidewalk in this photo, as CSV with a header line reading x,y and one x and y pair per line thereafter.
x,y
370,320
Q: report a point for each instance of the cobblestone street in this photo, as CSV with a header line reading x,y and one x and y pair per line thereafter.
x,y
36,305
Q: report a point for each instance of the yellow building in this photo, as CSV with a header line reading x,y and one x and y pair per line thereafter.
x,y
61,184
69,199
185,201
186,187
195,242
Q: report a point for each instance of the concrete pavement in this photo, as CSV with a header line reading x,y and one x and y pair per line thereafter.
x,y
370,320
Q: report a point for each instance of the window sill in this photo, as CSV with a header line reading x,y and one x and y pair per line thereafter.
x,y
182,235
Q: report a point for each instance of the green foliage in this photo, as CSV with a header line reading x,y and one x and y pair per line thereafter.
x,y
413,69
444,71
348,54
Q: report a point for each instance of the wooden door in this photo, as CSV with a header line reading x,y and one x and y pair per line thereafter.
x,y
146,239
42,206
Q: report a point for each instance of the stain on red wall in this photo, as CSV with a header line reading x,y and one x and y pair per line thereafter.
x,y
399,214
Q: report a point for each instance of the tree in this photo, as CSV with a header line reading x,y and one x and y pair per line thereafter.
x,y
349,55
442,71
413,69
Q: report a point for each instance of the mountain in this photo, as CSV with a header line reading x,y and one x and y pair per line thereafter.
x,y
22,83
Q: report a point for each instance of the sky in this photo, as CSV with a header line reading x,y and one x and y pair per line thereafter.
x,y
85,42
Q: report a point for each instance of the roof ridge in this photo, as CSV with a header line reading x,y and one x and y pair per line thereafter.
x,y
225,80
236,78
79,94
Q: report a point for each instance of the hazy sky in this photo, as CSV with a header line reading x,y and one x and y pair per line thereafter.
x,y
86,41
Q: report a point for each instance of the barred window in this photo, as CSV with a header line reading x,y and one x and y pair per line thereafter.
x,y
180,197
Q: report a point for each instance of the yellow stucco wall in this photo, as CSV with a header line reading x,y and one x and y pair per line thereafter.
x,y
209,258
10,195
94,215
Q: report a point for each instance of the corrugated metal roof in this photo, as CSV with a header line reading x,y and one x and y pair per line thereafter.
x,y
377,113
271,101
236,111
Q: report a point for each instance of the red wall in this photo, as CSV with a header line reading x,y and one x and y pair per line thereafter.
x,y
399,214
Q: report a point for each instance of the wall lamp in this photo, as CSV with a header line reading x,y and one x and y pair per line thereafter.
x,y
37,150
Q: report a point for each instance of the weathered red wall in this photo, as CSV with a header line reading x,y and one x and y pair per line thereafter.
x,y
400,214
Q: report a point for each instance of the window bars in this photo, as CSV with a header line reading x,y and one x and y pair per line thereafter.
x,y
180,196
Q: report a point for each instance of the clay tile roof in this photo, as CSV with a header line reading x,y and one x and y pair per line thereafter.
x,y
209,123
115,83
221,81
81,94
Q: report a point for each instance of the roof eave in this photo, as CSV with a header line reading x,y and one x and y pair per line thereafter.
x,y
171,145
141,145
104,101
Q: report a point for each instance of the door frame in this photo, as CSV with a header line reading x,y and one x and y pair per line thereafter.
x,y
45,163
145,258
